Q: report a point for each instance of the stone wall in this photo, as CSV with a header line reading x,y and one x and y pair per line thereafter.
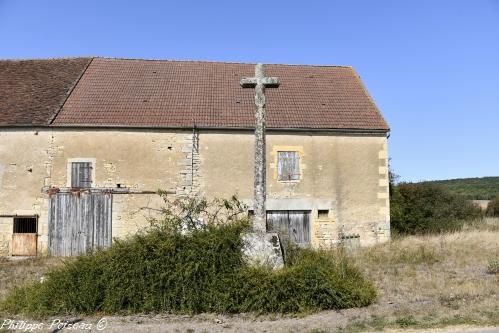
x,y
139,160
344,174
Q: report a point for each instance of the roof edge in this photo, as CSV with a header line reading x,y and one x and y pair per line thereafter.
x,y
174,60
228,128
220,62
364,88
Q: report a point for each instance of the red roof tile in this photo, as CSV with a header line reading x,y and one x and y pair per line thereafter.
x,y
150,93
33,91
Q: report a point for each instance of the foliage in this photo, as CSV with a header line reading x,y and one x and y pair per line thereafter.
x,y
472,188
393,179
493,207
493,266
428,208
311,280
191,262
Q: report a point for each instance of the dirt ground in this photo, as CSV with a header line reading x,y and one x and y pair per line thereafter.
x,y
327,321
423,282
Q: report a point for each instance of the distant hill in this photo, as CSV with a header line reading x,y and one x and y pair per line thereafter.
x,y
473,188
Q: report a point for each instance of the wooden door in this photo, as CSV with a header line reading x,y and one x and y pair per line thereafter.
x,y
292,225
24,236
79,222
24,244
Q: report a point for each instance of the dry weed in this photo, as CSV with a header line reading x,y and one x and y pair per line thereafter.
x,y
436,278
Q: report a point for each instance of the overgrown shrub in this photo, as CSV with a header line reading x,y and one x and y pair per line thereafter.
x,y
493,207
311,280
182,264
427,208
493,266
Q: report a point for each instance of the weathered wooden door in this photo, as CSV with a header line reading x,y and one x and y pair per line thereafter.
x,y
79,222
24,244
292,225
24,236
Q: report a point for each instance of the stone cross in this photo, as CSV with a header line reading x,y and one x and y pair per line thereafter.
x,y
260,82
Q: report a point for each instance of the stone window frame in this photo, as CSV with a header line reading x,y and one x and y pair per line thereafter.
x,y
81,160
275,152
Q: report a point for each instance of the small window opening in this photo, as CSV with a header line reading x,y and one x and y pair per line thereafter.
x,y
81,174
288,165
251,213
25,225
323,214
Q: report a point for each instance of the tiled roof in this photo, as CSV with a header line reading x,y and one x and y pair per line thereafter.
x,y
156,93
33,91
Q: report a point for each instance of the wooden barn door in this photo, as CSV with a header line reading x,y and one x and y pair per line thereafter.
x,y
79,222
24,236
292,225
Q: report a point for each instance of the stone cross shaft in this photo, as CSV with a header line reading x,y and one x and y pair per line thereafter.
x,y
260,82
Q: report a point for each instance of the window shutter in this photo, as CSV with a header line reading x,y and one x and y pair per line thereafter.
x,y
75,182
81,174
288,165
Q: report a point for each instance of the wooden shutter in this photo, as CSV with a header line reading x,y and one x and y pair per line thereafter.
x,y
81,174
291,225
288,165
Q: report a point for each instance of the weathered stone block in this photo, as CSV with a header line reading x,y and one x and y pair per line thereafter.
x,y
263,249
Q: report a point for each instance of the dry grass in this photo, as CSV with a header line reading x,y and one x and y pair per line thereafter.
x,y
16,271
435,280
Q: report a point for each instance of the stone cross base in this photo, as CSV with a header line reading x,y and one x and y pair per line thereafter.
x,y
262,249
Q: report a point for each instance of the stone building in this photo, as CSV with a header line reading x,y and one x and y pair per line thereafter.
x,y
86,142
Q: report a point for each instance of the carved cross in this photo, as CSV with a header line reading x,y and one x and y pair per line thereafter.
x,y
260,82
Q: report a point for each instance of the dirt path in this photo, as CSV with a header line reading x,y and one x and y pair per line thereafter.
x,y
327,321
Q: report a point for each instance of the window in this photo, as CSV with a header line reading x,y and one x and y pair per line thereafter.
x,y
24,225
288,165
81,174
323,214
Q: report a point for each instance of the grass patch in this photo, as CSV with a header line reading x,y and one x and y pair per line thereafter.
x,y
376,323
169,270
16,271
418,255
427,281
493,266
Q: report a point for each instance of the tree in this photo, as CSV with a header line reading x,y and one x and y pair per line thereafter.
x,y
493,207
427,208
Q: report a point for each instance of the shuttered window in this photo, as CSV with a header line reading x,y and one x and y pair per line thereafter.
x,y
81,174
288,165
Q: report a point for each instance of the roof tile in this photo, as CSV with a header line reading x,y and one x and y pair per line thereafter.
x,y
33,91
157,93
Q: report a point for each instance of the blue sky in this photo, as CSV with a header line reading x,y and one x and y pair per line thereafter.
x,y
432,66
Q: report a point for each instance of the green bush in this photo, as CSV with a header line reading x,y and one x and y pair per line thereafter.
x,y
201,270
311,280
493,207
493,266
427,208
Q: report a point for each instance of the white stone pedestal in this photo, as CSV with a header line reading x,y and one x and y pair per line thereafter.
x,y
262,249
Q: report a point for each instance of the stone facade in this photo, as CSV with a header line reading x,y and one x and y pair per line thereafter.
x,y
343,182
